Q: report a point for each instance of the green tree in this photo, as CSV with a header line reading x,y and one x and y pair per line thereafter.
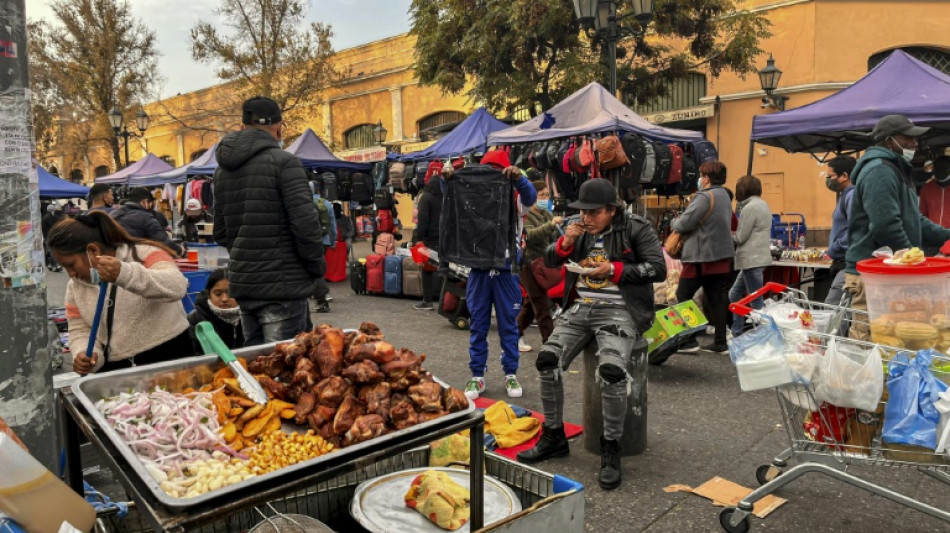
x,y
94,55
513,54
268,50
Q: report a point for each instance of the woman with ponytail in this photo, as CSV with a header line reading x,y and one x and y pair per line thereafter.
x,y
146,322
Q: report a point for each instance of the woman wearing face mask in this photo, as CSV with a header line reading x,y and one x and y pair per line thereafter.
x,y
147,322
215,305
752,237
541,229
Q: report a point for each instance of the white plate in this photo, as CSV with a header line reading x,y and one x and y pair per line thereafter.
x,y
577,269
891,262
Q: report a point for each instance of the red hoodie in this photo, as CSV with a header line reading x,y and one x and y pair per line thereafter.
x,y
935,203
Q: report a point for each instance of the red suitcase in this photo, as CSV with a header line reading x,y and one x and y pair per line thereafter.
x,y
375,274
336,262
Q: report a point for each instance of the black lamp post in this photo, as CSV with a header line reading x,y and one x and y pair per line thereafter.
x,y
601,15
769,78
117,121
379,132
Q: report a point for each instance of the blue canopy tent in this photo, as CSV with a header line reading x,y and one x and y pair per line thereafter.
x,y
315,155
150,164
592,109
52,187
470,135
204,165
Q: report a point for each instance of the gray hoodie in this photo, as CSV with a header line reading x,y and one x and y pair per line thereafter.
x,y
712,241
754,234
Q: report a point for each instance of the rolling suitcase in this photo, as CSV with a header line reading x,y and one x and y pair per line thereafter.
x,y
374,274
411,278
392,282
357,275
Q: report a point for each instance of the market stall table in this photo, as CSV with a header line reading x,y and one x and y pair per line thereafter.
x,y
805,272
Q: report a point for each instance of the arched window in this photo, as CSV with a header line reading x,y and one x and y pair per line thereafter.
x,y
76,175
935,57
168,159
198,153
438,124
101,171
53,170
359,137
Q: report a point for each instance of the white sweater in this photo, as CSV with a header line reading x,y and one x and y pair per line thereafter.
x,y
148,308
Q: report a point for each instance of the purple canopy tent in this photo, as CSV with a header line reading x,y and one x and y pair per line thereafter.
x,y
468,136
592,109
314,154
150,164
900,85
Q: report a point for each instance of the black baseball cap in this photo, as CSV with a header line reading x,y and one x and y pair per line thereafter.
x,y
896,125
260,110
594,194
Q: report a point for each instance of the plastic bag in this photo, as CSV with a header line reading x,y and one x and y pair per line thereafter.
x,y
943,427
850,376
763,342
910,416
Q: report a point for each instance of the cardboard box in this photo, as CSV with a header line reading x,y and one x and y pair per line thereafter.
x,y
681,320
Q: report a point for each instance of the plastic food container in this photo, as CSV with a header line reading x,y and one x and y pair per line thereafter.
x,y
210,256
763,373
907,304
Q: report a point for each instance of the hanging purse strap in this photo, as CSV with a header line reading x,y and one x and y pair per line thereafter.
x,y
110,315
712,204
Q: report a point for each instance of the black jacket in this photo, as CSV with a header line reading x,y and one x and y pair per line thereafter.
x,y
233,336
633,242
140,222
264,215
430,212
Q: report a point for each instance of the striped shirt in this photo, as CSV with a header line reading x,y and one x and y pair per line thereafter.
x,y
598,291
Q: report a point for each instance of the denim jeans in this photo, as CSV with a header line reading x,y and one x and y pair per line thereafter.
x,y
747,282
265,322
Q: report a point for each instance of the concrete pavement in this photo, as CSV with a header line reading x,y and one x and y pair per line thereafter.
x,y
700,426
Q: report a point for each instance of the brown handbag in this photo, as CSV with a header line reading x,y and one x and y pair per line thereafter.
x,y
610,153
545,276
675,242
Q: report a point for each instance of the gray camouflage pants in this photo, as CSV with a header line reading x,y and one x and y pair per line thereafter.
x,y
613,329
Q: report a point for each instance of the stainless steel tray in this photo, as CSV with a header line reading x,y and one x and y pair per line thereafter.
x,y
379,504
193,372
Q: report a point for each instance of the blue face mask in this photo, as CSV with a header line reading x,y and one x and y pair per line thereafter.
x,y
546,205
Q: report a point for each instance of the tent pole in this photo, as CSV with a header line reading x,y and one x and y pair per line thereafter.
x,y
751,155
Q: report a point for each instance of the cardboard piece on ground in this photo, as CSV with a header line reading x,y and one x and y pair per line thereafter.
x,y
725,493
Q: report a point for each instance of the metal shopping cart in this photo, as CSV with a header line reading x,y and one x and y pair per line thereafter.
x,y
823,438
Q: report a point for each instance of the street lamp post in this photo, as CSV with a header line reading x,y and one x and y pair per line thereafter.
x,y
601,15
117,121
379,132
768,79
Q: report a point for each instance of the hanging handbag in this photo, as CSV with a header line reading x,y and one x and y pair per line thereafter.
x,y
545,276
675,242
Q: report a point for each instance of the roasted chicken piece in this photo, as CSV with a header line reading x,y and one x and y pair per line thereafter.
x,y
349,411
363,373
453,399
326,431
427,396
404,370
348,340
305,373
305,405
368,328
271,365
376,398
379,352
278,389
320,416
402,413
329,353
425,416
364,428
332,390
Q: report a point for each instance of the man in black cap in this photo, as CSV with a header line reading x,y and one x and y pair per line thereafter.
x,y
100,198
135,216
884,208
619,258
264,215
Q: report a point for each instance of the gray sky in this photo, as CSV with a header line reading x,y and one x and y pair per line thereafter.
x,y
354,22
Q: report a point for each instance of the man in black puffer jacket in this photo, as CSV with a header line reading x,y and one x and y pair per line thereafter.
x,y
264,215
136,218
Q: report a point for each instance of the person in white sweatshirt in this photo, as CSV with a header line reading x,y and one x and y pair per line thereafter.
x,y
146,322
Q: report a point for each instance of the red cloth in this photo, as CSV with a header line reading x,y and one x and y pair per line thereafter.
x,y
945,249
572,430
695,270
935,203
336,262
498,158
434,167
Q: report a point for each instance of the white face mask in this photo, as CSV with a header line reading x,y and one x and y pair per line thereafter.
x,y
907,153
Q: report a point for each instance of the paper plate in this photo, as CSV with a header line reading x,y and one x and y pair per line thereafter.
x,y
891,262
577,269
379,504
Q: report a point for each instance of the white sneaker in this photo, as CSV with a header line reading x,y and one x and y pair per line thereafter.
x,y
512,386
522,347
474,387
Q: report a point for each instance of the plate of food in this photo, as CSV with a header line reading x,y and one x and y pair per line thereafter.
x,y
911,257
579,268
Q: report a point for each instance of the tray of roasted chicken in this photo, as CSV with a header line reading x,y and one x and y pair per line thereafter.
x,y
191,435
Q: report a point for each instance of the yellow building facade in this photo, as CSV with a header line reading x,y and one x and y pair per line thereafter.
x,y
822,46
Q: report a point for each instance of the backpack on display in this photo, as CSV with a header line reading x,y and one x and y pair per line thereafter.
x,y
649,164
411,278
380,174
610,153
385,221
324,213
392,275
664,158
374,274
704,151
328,186
361,188
357,275
383,198
385,244
676,165
344,181
397,171
551,150
635,148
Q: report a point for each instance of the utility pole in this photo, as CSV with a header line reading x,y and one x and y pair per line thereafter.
x,y
26,378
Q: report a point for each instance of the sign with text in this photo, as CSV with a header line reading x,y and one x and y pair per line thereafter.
x,y
365,155
677,115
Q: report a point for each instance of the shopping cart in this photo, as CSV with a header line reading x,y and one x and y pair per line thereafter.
x,y
846,437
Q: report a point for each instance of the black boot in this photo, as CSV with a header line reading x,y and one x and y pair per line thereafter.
x,y
609,464
553,443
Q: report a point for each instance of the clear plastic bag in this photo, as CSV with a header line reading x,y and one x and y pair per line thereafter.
x,y
910,416
759,358
850,375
